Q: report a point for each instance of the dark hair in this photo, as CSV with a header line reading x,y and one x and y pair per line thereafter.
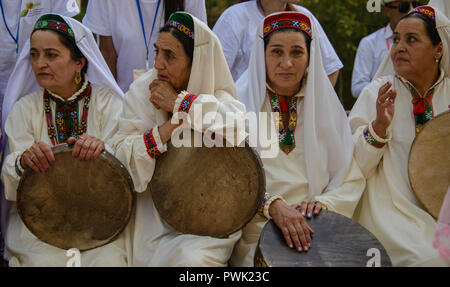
x,y
186,41
307,37
172,6
69,43
430,27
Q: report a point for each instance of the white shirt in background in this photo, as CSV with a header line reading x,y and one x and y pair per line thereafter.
x,y
371,52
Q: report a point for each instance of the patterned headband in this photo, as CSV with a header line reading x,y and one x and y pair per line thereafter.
x,y
287,20
180,27
427,11
54,25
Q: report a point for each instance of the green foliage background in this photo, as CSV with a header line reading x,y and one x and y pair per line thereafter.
x,y
346,22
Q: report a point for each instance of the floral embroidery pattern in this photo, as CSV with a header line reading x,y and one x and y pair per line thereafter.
x,y
371,140
55,25
299,24
423,106
427,11
180,27
150,143
286,135
186,103
66,117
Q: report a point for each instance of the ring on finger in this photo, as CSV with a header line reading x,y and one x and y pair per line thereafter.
x,y
32,157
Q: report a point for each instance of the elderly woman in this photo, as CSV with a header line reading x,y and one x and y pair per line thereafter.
x,y
314,167
190,71
390,112
60,91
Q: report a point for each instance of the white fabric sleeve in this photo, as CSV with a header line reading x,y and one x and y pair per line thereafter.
x,y
345,198
97,17
129,145
108,106
197,8
66,8
18,128
362,68
363,113
218,112
230,42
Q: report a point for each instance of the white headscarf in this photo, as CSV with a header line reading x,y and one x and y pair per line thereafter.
x,y
328,138
442,5
443,27
23,81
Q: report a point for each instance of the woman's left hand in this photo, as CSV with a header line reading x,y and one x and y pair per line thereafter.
x,y
87,147
308,208
163,95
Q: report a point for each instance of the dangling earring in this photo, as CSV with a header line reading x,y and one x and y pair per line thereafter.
x,y
77,78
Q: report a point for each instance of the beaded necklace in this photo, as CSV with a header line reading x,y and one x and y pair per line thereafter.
x,y
66,114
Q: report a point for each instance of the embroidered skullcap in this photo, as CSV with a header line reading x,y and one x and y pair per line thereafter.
x,y
182,22
428,11
54,22
279,21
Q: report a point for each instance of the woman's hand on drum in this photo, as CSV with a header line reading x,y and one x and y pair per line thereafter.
x,y
292,224
38,157
163,95
308,208
86,147
385,109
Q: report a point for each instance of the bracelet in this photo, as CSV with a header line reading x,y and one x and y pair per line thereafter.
x,y
267,200
268,203
19,170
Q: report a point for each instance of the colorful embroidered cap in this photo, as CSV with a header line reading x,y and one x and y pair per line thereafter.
x,y
53,22
182,22
287,20
425,10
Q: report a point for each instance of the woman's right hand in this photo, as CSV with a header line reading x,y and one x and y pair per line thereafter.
x,y
385,109
292,224
38,157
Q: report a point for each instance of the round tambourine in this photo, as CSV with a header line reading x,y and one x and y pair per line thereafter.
x,y
338,242
429,163
77,204
208,191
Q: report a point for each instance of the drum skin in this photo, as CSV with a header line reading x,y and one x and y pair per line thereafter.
x,y
78,204
429,163
338,242
208,191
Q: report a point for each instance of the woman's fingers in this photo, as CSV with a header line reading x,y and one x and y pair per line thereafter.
x,y
87,147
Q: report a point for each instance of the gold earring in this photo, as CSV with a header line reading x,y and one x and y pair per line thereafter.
x,y
77,78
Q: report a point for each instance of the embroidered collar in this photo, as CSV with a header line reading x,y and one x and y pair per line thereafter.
x,y
299,94
74,96
408,84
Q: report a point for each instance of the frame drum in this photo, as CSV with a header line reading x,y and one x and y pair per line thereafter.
x,y
429,163
208,191
78,204
338,242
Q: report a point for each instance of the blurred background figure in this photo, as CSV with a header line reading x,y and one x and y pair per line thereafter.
x,y
373,48
128,29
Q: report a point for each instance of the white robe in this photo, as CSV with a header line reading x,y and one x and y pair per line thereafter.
x,y
286,176
26,125
154,242
389,208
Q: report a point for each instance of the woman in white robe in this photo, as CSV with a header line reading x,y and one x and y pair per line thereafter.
x,y
190,72
61,63
385,122
314,168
